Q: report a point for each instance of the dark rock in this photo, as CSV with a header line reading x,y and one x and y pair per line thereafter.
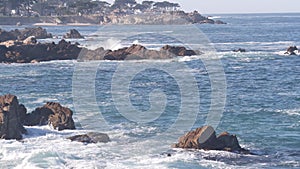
x,y
91,137
5,36
38,33
178,50
220,22
51,113
291,50
17,52
73,34
25,53
205,138
10,114
240,50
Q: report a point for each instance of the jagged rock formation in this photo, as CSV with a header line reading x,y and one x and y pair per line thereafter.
x,y
136,52
26,53
205,138
11,113
51,113
18,52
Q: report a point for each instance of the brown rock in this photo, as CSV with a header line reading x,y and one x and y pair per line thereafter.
x,y
51,113
205,138
10,114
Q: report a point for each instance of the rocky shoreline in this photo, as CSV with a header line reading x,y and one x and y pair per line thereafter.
x,y
14,48
14,116
115,18
21,46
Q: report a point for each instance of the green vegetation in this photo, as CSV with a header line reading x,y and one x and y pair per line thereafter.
x,y
80,7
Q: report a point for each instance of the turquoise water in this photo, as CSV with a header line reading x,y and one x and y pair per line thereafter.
x,y
145,106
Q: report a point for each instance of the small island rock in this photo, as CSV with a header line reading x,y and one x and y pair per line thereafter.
x,y
91,137
205,138
73,34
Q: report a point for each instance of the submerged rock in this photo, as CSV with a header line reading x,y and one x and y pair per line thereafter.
x,y
205,138
92,137
239,50
10,114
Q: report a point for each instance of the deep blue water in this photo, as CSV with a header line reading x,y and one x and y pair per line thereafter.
x,y
124,99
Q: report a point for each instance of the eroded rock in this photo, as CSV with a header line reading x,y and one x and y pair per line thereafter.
x,y
205,138
51,113
10,117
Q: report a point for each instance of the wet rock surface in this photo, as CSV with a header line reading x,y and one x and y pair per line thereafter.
x,y
205,138
10,117
292,50
91,137
51,113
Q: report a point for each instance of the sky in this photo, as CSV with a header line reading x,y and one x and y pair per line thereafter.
x,y
237,6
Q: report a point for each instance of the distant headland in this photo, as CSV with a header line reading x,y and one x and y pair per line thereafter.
x,y
79,12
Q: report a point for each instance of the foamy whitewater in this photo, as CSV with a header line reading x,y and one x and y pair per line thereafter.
x,y
262,103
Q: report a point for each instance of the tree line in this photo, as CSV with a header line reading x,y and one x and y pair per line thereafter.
x,y
79,7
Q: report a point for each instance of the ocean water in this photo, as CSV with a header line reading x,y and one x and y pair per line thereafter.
x,y
145,105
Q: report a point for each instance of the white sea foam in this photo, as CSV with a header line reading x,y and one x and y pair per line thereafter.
x,y
290,112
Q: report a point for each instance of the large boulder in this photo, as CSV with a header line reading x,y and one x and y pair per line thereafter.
x,y
11,113
91,137
51,113
73,34
205,138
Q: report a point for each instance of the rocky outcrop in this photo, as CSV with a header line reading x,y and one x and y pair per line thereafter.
x,y
91,137
292,50
205,138
158,18
38,33
51,113
17,52
28,52
136,52
73,34
11,113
